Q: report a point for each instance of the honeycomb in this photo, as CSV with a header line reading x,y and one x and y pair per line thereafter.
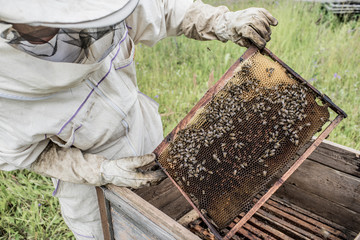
x,y
234,146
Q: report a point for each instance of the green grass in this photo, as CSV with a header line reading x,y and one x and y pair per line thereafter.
x,y
316,45
27,209
176,74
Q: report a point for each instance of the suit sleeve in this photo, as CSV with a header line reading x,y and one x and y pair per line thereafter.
x,y
153,20
20,157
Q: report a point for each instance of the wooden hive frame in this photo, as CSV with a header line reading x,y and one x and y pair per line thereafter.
x,y
209,95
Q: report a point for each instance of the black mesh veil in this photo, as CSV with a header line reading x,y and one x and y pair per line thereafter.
x,y
76,43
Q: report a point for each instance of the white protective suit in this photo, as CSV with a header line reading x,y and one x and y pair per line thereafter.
x,y
96,106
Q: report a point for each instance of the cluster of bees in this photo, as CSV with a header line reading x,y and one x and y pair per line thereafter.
x,y
241,128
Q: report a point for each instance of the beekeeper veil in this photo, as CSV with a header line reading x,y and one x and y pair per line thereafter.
x,y
80,24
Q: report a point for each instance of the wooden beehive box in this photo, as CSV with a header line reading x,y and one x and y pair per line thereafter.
x,y
315,206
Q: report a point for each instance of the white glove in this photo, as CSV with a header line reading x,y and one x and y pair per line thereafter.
x,y
71,165
124,172
205,22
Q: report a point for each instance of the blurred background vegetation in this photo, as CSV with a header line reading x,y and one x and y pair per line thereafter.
x,y
176,72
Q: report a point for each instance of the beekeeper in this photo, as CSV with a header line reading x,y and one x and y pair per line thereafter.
x,y
70,105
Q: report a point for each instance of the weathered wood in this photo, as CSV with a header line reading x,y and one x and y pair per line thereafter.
x,y
126,228
134,218
248,234
105,215
154,192
267,228
328,183
338,157
202,233
290,222
321,206
177,208
244,232
303,211
308,217
281,226
345,233
258,232
188,218
167,198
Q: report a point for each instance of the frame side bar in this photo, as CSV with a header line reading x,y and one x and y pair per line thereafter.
x,y
105,214
286,175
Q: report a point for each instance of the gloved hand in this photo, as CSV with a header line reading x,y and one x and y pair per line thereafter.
x,y
72,165
205,22
124,172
